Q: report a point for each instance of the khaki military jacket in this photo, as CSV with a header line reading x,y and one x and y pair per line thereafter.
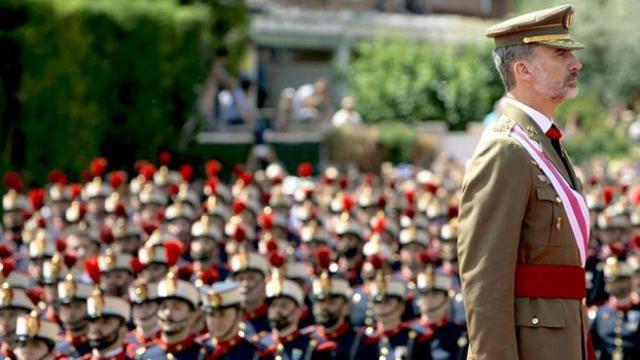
x,y
511,214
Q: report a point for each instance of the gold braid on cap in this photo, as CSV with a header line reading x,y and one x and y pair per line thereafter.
x,y
6,295
33,324
95,303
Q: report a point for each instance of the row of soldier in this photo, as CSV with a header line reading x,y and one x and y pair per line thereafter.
x,y
341,265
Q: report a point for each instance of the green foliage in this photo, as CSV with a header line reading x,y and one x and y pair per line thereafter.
x,y
401,80
110,77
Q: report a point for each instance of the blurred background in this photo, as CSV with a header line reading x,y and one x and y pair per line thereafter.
x,y
327,81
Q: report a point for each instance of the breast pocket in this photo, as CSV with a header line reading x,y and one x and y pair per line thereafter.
x,y
552,218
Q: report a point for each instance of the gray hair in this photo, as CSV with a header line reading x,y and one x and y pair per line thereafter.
x,y
504,57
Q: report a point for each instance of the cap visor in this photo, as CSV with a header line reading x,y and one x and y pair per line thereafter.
x,y
563,44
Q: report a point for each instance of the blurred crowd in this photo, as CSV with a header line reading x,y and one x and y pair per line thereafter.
x,y
325,263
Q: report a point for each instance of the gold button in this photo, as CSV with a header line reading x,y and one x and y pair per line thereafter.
x,y
558,222
558,200
535,320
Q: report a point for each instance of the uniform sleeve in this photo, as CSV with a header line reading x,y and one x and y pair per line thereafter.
x,y
494,200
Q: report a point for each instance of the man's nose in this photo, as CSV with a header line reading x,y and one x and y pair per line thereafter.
x,y
575,64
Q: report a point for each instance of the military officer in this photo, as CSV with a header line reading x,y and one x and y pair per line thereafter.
x,y
73,296
509,246
144,312
287,340
615,331
107,329
36,338
222,303
178,301
112,272
14,302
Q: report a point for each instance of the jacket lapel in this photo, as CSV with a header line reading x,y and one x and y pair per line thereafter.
x,y
534,132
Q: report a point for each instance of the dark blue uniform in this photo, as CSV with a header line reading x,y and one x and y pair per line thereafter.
x,y
237,348
186,350
616,334
447,340
305,344
75,348
258,319
347,339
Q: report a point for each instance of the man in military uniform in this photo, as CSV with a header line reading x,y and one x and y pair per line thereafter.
x,y
36,338
112,272
13,205
391,339
73,296
250,271
331,296
144,312
14,302
616,330
448,340
287,340
222,303
107,328
178,301
523,219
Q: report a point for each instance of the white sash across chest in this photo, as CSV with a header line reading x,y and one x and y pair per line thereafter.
x,y
573,202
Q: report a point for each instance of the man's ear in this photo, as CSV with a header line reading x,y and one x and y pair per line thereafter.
x,y
522,71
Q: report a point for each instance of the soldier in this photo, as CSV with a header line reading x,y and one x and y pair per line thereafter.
x,y
13,205
287,340
178,301
36,338
510,246
112,272
331,296
205,247
250,271
73,296
447,339
222,303
157,257
14,303
107,328
615,331
144,312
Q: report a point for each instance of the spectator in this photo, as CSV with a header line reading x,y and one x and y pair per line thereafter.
x,y
236,107
347,115
312,103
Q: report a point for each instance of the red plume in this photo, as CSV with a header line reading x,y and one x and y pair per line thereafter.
x,y
185,272
117,178
305,169
83,210
186,171
57,177
616,248
238,169
174,249
147,171
208,276
239,206
98,167
173,189
37,198
343,183
35,294
120,210
323,256
106,235
271,246
160,215
379,224
137,266
427,256
8,265
212,184
607,193
5,251
276,259
212,167
76,190
431,187
69,260
266,220
635,241
392,184
12,181
240,235
92,269
86,175
61,244
382,202
347,203
410,195
164,157
410,212
453,211
246,177
42,223
376,261
150,226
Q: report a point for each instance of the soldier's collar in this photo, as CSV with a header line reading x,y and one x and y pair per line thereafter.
x,y
391,332
226,345
289,338
338,332
179,346
75,340
117,354
259,312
